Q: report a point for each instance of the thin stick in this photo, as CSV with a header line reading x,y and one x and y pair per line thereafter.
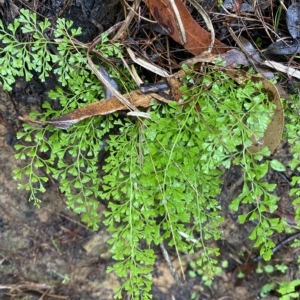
x,y
179,23
208,23
169,263
149,66
104,80
126,22
137,14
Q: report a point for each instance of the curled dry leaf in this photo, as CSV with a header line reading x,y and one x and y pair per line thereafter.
x,y
111,105
197,38
273,133
100,108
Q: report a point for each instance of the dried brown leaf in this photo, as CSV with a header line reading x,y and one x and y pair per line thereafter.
x,y
197,38
111,105
100,108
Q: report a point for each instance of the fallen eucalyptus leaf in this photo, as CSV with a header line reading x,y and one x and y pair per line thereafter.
x,y
283,47
111,105
293,19
197,39
100,108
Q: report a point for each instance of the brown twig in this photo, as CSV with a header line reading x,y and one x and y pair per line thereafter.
x,y
127,21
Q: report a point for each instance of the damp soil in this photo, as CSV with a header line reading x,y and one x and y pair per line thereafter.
x,y
47,253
